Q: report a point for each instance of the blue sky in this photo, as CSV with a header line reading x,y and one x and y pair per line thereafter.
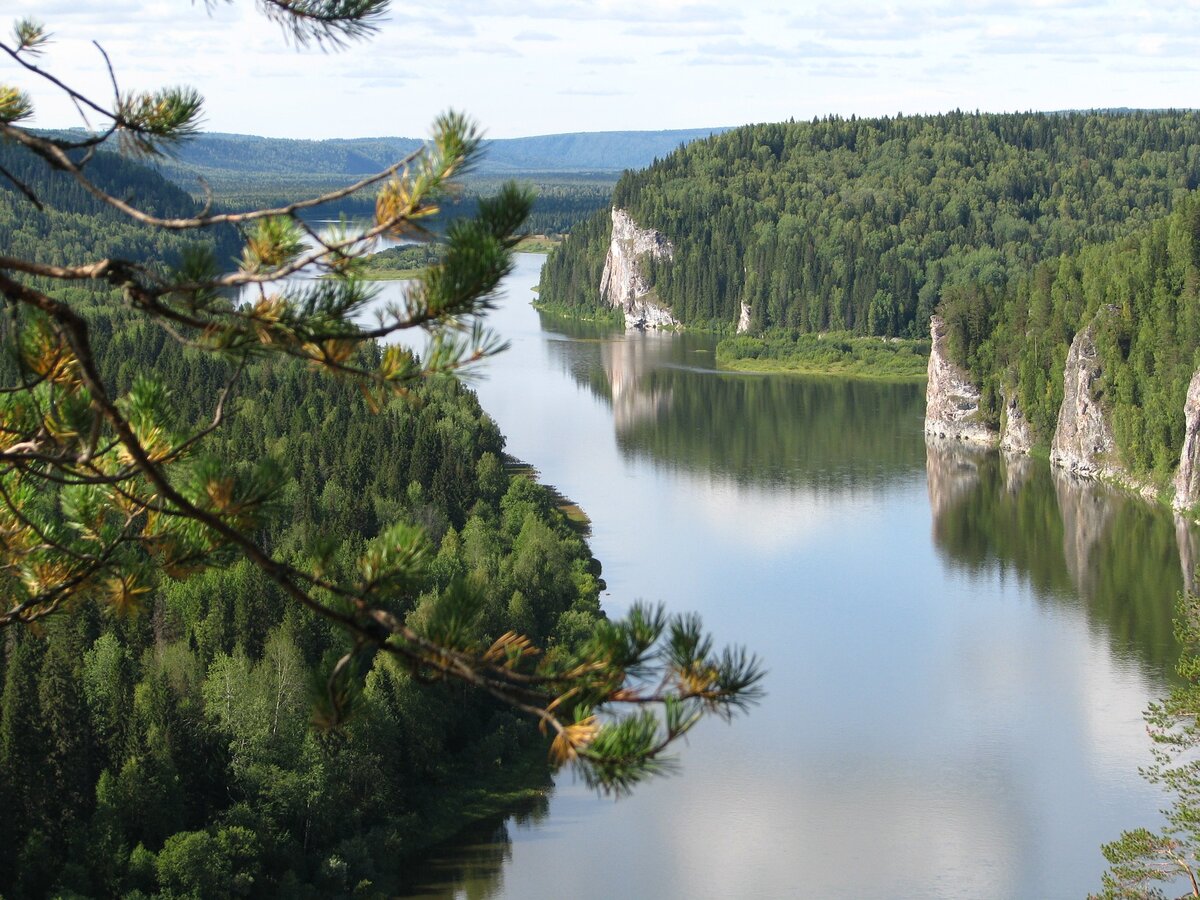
x,y
539,66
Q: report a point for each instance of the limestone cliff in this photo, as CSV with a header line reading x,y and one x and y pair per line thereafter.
x,y
1187,476
951,400
624,282
1083,439
1016,434
743,322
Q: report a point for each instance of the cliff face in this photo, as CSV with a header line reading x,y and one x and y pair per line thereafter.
x,y
1187,476
1083,440
951,400
1016,435
743,322
623,283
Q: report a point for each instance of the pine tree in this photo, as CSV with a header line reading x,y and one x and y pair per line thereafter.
x,y
108,490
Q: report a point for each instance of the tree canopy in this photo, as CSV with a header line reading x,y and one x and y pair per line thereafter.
x,y
864,224
160,410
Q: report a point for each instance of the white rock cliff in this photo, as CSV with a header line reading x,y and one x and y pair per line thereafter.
x,y
1016,434
743,322
1083,440
1187,476
951,400
624,283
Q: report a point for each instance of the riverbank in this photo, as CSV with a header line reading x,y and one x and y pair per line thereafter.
x,y
600,316
538,243
835,354
489,794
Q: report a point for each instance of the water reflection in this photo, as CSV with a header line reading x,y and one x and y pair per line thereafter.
x,y
671,407
471,866
967,707
1072,540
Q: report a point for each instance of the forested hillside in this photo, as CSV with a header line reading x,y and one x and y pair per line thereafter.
x,y
1148,286
74,226
169,752
865,225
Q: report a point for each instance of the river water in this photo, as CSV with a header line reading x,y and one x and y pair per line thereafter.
x,y
959,648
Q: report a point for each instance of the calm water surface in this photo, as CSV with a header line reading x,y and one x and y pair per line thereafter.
x,y
959,649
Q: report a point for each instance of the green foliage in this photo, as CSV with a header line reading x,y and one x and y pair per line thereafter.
x,y
172,716
1141,292
1141,860
74,225
200,864
864,224
402,259
831,353
220,668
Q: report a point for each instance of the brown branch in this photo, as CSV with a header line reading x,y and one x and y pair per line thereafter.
x,y
54,154
70,92
23,188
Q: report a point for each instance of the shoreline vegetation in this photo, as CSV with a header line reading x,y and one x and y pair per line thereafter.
x,y
577,519
605,315
487,794
828,353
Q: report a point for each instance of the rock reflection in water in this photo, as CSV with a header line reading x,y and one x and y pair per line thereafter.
x,y
625,362
1067,538
672,407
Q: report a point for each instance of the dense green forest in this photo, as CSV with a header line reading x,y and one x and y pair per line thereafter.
x,y
1142,292
169,753
864,225
561,200
74,226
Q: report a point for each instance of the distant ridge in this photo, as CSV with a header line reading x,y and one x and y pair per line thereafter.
x,y
600,151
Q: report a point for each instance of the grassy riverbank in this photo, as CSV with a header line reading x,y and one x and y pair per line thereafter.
x,y
602,315
538,243
832,353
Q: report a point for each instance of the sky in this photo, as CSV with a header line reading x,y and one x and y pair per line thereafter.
x,y
525,67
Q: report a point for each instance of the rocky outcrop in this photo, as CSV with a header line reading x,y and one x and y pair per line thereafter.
x,y
951,400
1016,434
1083,440
1187,476
624,283
743,322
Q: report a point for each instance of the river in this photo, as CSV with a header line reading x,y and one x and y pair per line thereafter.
x,y
959,648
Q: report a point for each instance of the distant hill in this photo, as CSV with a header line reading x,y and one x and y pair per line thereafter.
x,y
601,151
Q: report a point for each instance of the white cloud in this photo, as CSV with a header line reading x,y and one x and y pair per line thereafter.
x,y
495,59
